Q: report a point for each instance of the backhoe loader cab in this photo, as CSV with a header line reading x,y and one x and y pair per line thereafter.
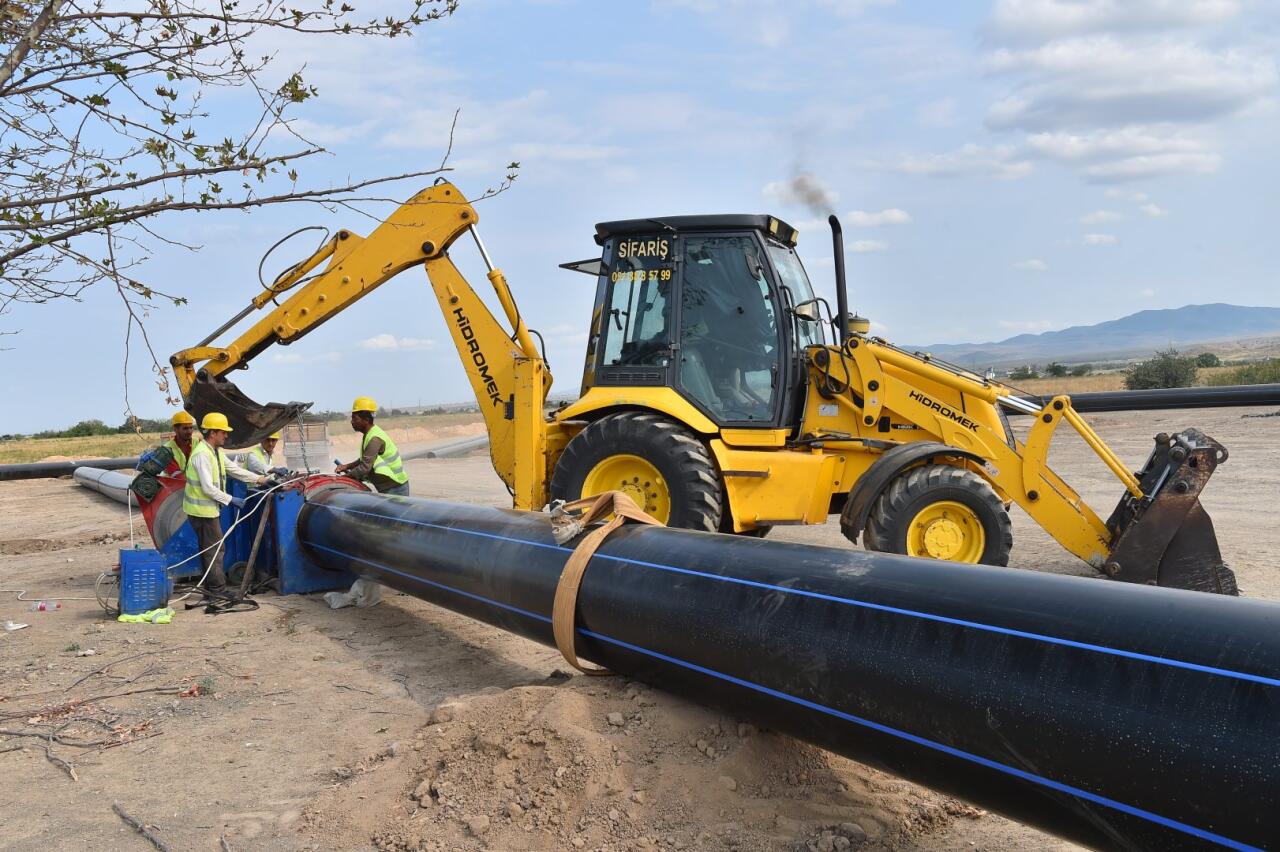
x,y
705,306
721,395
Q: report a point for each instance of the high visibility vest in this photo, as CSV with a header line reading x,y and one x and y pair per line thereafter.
x,y
388,464
195,502
178,455
256,453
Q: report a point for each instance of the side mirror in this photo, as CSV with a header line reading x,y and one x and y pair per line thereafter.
x,y
807,310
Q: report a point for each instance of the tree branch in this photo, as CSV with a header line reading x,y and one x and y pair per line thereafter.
x,y
28,40
174,175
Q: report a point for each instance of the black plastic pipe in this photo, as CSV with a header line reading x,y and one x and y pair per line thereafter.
x,y
1226,396
1118,716
49,470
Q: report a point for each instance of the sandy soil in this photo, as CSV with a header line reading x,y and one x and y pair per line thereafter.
x,y
408,727
345,443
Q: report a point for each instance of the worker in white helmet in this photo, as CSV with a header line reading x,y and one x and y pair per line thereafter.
x,y
205,494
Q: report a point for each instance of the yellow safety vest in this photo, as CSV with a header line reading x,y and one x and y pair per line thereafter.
x,y
388,464
260,454
195,502
178,455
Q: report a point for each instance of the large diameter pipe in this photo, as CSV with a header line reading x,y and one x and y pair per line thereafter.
x,y
49,470
109,483
1117,716
1226,396
450,450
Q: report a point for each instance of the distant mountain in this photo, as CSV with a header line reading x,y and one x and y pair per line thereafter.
x,y
1132,336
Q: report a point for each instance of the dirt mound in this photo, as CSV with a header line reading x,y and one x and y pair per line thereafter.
x,y
589,764
414,436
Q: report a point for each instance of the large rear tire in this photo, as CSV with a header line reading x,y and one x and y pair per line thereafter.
x,y
941,511
657,463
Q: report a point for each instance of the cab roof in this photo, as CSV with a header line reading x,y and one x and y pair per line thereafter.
x,y
717,222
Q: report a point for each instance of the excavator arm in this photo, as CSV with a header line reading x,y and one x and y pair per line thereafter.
x,y
506,370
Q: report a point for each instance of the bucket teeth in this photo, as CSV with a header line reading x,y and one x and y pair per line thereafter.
x,y
250,421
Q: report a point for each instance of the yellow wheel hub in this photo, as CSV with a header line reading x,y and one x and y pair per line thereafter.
x,y
946,530
634,476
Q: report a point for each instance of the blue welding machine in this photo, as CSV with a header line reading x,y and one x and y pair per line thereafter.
x,y
144,581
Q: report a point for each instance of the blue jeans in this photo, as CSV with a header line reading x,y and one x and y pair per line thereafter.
x,y
399,490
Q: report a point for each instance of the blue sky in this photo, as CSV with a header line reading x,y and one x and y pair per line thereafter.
x,y
1000,168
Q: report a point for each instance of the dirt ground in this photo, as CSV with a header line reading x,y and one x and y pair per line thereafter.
x,y
406,727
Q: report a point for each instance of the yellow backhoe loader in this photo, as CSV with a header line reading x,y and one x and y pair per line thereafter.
x,y
722,395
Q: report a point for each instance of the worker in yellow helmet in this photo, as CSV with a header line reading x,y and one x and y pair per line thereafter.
x,y
258,459
184,434
207,470
379,463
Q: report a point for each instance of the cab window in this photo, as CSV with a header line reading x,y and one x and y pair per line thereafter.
x,y
729,347
637,315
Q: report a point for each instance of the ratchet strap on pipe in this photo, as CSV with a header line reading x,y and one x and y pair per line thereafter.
x,y
567,525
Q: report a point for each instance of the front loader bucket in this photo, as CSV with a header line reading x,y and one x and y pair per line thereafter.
x,y
250,421
1166,538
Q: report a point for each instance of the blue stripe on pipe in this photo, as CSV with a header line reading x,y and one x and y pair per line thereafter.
x,y
830,711
977,625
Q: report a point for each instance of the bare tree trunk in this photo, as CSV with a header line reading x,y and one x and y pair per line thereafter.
x,y
28,40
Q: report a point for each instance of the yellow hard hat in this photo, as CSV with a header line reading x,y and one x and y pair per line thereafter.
x,y
214,420
182,418
363,403
274,436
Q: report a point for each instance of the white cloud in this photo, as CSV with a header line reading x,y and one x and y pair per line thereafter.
x,y
1137,168
389,342
1002,161
1106,81
888,216
300,358
1033,264
565,153
1127,153
1126,195
1154,210
940,113
1099,217
1100,239
1047,19
867,246
1146,292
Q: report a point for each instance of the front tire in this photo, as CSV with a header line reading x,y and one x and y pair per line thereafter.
x,y
939,511
657,463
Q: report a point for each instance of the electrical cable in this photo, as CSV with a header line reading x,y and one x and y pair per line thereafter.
x,y
217,546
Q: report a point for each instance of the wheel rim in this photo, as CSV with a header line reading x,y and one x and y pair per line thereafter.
x,y
637,478
946,530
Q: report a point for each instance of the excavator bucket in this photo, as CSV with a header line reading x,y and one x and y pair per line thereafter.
x,y
250,421
1165,538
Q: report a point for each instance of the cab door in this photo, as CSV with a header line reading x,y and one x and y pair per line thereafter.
x,y
634,345
730,348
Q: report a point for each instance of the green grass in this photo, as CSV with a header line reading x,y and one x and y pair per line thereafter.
x,y
90,447
1261,373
